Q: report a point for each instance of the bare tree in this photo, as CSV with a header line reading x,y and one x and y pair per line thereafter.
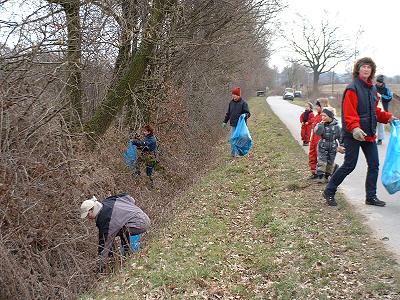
x,y
320,49
118,94
74,87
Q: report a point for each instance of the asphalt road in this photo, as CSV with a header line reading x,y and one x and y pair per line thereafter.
x,y
383,221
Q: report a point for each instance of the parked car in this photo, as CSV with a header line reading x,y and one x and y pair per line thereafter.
x,y
290,90
298,94
288,96
260,93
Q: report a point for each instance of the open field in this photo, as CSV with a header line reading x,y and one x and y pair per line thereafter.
x,y
339,88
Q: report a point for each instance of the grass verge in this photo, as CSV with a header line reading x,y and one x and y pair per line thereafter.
x,y
255,228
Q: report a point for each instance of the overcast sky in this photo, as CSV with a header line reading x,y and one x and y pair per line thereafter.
x,y
379,21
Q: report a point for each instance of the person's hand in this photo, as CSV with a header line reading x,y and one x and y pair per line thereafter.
x,y
306,123
224,125
359,134
378,96
341,149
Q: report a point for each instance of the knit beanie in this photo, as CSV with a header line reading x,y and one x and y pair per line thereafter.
x,y
236,91
380,78
329,112
317,103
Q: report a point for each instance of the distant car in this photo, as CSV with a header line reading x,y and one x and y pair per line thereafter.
x,y
298,94
288,96
260,93
290,90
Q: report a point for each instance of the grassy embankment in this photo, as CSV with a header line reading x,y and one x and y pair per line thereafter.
x,y
256,228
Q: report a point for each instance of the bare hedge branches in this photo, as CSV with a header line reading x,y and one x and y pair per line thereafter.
x,y
173,68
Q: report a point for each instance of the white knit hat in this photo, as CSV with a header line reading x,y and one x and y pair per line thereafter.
x,y
88,205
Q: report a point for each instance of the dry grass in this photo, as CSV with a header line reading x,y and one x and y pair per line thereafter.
x,y
255,228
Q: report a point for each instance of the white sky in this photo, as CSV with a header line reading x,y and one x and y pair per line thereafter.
x,y
379,21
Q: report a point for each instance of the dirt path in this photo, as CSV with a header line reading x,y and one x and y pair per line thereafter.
x,y
384,222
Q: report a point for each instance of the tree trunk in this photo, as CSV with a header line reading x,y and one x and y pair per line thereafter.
x,y
74,66
74,87
315,82
118,94
127,46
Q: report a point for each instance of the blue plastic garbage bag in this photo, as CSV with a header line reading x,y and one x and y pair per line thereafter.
x,y
391,166
130,155
241,139
134,241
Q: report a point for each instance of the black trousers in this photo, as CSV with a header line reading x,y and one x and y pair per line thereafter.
x,y
370,151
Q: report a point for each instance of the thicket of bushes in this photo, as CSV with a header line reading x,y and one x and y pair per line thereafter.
x,y
58,68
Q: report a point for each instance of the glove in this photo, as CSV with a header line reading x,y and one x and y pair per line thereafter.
x,y
341,149
224,125
359,134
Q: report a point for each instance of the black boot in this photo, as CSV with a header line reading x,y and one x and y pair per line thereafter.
x,y
330,199
327,175
375,201
320,178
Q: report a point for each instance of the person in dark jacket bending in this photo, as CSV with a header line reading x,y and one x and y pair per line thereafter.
x,y
115,216
148,146
236,108
360,113
386,96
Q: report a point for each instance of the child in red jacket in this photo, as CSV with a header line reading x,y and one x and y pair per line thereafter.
x,y
306,120
312,154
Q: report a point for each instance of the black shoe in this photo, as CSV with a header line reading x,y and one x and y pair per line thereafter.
x,y
330,199
313,176
379,142
375,201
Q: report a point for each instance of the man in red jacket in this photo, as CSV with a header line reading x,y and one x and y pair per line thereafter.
x,y
360,115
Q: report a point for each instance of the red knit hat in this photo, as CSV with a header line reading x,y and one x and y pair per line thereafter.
x,y
236,91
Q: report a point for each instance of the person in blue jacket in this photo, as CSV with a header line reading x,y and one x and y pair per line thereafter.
x,y
148,147
386,97
237,107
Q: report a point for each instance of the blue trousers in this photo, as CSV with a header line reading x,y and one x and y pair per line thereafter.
x,y
233,151
370,151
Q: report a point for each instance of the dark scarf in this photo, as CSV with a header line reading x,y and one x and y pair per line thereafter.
x,y
381,89
306,115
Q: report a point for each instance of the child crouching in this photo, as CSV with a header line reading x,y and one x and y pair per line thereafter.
x,y
330,132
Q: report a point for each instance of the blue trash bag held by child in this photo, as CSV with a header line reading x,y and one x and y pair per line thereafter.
x,y
130,155
391,166
241,139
